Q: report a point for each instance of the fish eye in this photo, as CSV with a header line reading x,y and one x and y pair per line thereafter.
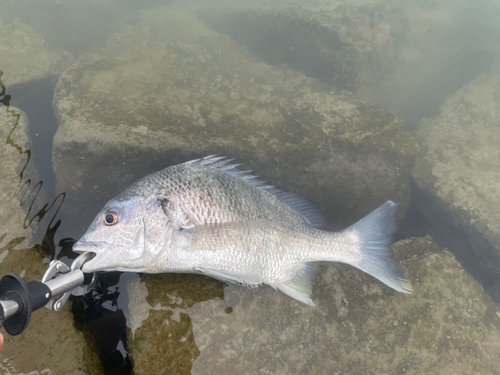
x,y
111,218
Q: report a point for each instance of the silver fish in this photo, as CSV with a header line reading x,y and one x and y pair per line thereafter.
x,y
206,216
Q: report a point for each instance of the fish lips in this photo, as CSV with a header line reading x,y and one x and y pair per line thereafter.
x,y
90,247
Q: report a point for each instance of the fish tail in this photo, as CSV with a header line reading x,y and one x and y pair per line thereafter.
x,y
371,252
374,233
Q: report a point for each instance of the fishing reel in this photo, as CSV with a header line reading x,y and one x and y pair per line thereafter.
x,y
19,299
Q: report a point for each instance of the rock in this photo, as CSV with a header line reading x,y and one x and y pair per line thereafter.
x,y
448,325
27,58
460,169
159,321
407,56
60,347
360,326
71,24
164,88
18,182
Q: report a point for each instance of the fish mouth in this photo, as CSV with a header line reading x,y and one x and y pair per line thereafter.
x,y
92,247
100,260
82,247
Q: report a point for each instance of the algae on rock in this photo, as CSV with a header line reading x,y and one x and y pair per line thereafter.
x,y
161,334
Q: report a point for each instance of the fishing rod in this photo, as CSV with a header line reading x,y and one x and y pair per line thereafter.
x,y
19,299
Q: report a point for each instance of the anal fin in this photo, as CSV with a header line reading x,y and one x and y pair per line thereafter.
x,y
250,281
300,286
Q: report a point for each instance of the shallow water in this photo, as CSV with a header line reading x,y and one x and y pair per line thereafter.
x,y
466,46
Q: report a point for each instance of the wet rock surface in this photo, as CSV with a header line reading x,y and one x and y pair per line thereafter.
x,y
27,57
460,169
19,179
51,343
161,337
405,55
448,325
164,88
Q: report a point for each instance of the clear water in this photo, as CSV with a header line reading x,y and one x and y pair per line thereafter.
x,y
464,50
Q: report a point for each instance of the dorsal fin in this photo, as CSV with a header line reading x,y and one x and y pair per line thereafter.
x,y
307,209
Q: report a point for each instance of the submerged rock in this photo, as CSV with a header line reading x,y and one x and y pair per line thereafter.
x,y
404,55
51,342
26,57
73,25
460,167
164,88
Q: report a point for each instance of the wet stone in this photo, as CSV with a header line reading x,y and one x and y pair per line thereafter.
x,y
164,88
358,324
51,343
161,332
460,170
18,182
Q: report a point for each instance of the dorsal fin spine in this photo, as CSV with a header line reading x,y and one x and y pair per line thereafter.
x,y
303,206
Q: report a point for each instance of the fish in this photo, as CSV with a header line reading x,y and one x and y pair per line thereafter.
x,y
209,217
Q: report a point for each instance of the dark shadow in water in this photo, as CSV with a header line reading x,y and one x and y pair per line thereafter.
x,y
28,191
277,39
425,217
99,317
37,105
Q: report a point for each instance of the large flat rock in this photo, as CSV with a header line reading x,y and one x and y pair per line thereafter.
x,y
51,342
164,88
460,168
449,325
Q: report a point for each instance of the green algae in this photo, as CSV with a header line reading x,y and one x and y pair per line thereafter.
x,y
164,343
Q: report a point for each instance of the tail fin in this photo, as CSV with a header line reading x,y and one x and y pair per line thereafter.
x,y
375,232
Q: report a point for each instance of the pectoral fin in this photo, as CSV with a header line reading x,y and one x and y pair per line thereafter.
x,y
250,281
181,216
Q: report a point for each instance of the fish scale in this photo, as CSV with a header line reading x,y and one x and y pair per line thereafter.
x,y
205,216
229,197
